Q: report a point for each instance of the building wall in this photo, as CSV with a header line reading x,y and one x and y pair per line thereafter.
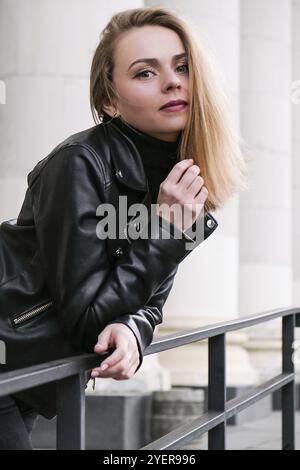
x,y
253,261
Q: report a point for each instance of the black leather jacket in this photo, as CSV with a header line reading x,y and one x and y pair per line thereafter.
x,y
60,284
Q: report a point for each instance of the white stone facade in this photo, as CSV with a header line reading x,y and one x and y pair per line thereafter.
x,y
252,263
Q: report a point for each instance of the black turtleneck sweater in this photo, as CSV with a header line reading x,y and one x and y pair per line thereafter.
x,y
158,156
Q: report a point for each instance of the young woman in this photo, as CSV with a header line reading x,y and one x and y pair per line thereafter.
x,y
67,289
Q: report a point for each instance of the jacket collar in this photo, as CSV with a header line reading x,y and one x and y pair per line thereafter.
x,y
128,164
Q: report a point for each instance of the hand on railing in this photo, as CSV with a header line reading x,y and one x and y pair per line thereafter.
x,y
124,360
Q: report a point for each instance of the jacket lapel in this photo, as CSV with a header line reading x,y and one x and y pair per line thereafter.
x,y
128,165
128,169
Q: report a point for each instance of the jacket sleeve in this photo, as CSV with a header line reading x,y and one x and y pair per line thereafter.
x,y
87,292
143,322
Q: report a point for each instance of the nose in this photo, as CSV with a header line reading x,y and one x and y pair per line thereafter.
x,y
172,81
174,84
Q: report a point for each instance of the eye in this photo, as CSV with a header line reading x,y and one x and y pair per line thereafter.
x,y
184,65
152,71
144,71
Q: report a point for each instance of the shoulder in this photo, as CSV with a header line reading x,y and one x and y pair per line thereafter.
x,y
88,146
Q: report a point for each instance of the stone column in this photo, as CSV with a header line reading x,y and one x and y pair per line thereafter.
x,y
296,155
296,147
206,288
46,49
265,212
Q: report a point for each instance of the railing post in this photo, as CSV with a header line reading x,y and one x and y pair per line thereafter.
x,y
70,428
217,389
288,391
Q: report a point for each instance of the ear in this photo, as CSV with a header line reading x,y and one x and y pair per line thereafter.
x,y
109,108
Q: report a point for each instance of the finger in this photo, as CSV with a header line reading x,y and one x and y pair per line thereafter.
x,y
103,342
124,364
189,176
124,375
176,172
117,355
196,185
130,372
118,369
201,196
95,371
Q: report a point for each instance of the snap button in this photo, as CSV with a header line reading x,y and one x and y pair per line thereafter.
x,y
119,173
210,223
118,251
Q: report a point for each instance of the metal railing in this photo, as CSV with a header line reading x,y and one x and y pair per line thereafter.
x,y
69,374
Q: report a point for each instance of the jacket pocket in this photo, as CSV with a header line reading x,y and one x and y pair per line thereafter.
x,y
20,318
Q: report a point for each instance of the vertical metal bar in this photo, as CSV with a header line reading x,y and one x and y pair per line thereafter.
x,y
70,428
217,389
288,391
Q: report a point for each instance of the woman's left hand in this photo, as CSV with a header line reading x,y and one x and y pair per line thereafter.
x,y
123,362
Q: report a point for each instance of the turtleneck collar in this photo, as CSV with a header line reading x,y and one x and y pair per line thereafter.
x,y
155,152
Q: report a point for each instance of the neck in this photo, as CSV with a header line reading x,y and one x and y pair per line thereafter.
x,y
171,139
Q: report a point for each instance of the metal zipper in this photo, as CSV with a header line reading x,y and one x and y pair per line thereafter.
x,y
32,313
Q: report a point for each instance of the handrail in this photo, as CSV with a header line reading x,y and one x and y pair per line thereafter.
x,y
68,373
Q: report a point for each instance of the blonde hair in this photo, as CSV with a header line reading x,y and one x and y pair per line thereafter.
x,y
209,136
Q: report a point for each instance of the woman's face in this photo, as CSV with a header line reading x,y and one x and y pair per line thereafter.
x,y
145,86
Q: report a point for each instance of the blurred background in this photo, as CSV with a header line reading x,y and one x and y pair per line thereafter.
x,y
252,262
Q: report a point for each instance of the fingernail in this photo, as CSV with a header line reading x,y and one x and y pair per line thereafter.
x,y
104,366
94,374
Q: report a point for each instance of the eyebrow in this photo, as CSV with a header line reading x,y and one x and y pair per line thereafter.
x,y
153,61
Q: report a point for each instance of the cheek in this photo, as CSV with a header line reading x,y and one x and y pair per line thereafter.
x,y
138,92
185,82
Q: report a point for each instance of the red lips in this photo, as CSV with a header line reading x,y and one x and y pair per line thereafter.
x,y
173,103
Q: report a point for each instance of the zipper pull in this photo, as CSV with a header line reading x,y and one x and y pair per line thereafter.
x,y
94,383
